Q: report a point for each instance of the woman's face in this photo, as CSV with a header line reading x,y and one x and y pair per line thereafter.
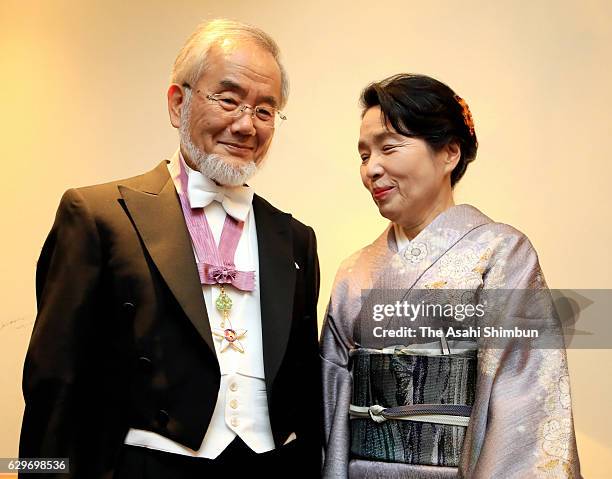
x,y
409,182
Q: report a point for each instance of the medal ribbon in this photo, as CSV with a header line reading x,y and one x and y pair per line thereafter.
x,y
215,264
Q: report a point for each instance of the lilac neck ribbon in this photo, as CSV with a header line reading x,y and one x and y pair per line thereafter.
x,y
215,264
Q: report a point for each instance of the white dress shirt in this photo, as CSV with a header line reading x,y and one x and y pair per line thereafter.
x,y
242,404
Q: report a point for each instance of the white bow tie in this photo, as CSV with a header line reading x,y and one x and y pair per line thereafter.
x,y
236,200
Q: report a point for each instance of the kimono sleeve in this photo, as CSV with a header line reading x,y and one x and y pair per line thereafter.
x,y
336,342
67,277
521,424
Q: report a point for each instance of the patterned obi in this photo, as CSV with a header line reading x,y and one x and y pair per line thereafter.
x,y
412,404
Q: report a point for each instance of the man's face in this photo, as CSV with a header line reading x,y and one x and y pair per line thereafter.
x,y
247,74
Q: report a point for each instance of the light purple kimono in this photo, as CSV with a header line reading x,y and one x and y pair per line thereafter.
x,y
521,423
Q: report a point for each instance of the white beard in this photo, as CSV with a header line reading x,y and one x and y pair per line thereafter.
x,y
211,165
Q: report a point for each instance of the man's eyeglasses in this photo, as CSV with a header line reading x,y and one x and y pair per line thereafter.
x,y
261,115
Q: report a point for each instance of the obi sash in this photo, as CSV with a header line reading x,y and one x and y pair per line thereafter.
x,y
412,404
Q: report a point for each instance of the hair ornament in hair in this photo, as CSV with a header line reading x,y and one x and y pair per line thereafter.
x,y
467,115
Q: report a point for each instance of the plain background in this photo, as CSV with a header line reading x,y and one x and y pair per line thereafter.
x,y
83,101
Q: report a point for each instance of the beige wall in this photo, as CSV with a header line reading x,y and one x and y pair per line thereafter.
x,y
82,100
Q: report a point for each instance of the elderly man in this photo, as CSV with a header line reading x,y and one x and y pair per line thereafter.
x,y
176,332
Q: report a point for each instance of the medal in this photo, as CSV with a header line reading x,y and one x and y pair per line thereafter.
x,y
224,305
216,263
229,338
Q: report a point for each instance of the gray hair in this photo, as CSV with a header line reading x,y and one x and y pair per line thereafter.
x,y
190,62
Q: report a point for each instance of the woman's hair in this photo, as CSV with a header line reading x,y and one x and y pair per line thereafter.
x,y
423,107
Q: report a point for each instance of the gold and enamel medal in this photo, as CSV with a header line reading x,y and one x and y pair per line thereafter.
x,y
229,337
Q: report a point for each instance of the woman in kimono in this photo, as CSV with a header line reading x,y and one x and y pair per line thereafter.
x,y
397,407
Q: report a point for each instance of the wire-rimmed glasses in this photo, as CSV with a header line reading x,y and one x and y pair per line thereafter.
x,y
262,115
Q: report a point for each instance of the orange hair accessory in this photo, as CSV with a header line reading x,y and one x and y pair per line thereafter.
x,y
467,115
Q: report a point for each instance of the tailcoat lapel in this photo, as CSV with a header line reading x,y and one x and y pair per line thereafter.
x,y
277,283
155,210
